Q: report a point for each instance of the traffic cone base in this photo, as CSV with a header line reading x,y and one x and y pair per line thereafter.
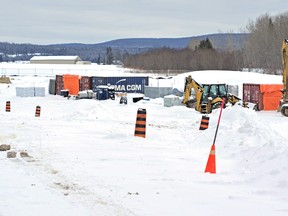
x,y
211,163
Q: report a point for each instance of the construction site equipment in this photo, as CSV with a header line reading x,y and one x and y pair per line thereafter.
x,y
207,96
105,92
87,94
123,97
123,100
4,79
283,106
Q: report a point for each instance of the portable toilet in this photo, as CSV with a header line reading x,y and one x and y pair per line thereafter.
x,y
102,92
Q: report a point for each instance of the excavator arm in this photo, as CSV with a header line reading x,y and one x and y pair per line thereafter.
x,y
189,84
284,100
285,65
187,89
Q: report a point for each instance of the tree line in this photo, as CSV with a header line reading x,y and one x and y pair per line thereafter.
x,y
10,52
202,57
262,50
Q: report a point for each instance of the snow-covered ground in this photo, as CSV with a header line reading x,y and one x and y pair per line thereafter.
x,y
85,160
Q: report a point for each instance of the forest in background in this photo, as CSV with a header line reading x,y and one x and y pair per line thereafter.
x,y
259,46
261,50
114,51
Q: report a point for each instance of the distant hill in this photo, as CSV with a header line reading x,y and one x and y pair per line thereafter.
x,y
219,41
92,52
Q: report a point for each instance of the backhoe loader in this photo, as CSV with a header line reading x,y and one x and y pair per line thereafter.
x,y
283,106
207,96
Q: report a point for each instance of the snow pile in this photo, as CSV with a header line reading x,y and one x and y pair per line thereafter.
x,y
85,160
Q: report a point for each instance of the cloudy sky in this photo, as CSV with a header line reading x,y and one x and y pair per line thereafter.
x,y
94,21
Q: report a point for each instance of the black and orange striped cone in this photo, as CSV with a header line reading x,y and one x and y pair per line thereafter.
x,y
204,122
140,127
8,106
211,163
37,111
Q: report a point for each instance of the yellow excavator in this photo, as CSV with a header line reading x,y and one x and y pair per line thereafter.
x,y
207,96
283,106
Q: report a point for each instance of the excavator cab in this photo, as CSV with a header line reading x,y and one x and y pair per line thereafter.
x,y
212,97
213,91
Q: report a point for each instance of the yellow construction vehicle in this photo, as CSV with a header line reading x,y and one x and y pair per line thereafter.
x,y
283,107
4,79
207,96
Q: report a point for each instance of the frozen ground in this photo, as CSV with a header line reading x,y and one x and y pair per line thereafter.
x,y
85,160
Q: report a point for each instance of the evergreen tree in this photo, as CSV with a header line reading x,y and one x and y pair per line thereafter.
x,y
205,44
99,60
109,55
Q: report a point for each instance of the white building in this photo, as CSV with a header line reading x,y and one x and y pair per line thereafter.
x,y
55,60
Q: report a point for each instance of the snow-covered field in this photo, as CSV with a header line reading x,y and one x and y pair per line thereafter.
x,y
85,160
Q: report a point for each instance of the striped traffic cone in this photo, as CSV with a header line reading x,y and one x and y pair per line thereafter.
x,y
204,122
140,127
8,106
37,111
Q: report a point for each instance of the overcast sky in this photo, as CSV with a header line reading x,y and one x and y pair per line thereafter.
x,y
94,21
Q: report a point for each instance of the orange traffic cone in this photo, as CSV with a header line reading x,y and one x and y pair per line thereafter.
x,y
211,163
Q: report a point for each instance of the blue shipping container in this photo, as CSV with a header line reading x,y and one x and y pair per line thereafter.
x,y
122,84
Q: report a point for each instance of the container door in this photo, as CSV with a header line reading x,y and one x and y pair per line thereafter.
x,y
252,94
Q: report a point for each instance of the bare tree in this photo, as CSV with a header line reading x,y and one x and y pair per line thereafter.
x,y
263,48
